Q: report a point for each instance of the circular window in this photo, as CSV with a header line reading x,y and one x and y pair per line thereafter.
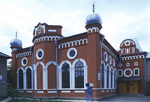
x,y
120,65
127,72
127,64
72,53
135,63
110,59
105,56
24,61
39,54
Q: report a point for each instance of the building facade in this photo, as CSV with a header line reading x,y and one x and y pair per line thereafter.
x,y
58,66
3,74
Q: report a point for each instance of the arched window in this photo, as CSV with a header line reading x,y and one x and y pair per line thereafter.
x,y
102,75
120,73
29,78
115,78
79,75
107,76
111,77
136,72
65,76
20,79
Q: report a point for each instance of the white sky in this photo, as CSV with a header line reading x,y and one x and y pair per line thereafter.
x,y
122,19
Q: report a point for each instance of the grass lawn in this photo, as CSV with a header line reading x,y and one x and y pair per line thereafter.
x,y
1,99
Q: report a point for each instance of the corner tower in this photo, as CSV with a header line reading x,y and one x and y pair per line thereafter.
x,y
93,26
45,52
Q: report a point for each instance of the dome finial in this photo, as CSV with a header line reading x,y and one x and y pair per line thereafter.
x,y
93,7
16,34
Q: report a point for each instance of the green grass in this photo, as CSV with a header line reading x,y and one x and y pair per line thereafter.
x,y
1,99
32,100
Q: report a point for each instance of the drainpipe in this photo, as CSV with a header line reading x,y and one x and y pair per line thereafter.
x,y
117,71
101,44
56,69
31,49
145,73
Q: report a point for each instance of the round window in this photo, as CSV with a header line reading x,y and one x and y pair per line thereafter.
x,y
105,56
24,61
72,53
127,72
39,54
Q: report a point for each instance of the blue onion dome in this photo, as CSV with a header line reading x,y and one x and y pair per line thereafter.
x,y
16,42
93,18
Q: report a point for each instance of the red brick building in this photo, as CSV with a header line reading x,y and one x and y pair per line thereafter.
x,y
58,66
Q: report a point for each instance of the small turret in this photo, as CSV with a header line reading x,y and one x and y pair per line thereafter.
x,y
15,44
93,22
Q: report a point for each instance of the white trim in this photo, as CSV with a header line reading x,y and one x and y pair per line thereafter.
x,y
51,91
127,64
91,30
136,63
109,51
20,68
132,57
110,59
79,91
105,56
127,69
107,90
103,73
114,62
46,38
73,43
39,58
45,73
31,76
40,91
65,91
85,71
60,74
68,53
28,53
29,91
24,58
35,73
134,72
37,28
52,30
125,42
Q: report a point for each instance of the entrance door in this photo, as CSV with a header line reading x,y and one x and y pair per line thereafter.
x,y
133,87
122,87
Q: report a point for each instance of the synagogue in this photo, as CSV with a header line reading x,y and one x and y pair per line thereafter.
x,y
58,66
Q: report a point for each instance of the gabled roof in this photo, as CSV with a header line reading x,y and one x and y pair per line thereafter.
x,y
4,55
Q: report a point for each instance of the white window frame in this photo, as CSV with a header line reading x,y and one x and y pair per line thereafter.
x,y
60,74
127,70
121,72
134,72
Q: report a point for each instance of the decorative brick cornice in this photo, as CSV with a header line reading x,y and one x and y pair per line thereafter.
x,y
28,53
46,38
73,43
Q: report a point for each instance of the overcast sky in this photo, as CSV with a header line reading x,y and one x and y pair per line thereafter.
x,y
121,19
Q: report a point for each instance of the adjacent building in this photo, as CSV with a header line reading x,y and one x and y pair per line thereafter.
x,y
3,74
